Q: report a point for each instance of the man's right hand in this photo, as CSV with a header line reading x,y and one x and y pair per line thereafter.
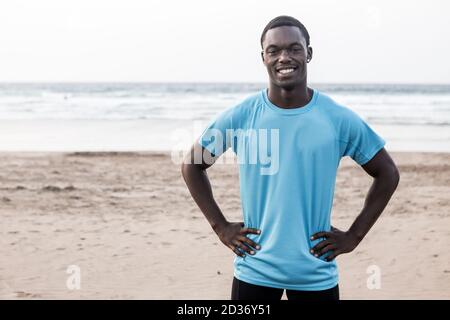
x,y
233,235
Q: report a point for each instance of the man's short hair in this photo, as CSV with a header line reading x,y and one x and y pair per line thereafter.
x,y
285,21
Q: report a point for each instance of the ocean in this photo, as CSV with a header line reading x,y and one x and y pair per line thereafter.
x,y
164,116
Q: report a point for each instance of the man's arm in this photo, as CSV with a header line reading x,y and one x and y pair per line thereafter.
x,y
193,169
386,178
197,180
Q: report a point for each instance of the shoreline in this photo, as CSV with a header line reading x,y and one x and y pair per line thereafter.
x,y
146,135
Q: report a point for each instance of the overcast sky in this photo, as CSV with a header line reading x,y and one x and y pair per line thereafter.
x,y
206,40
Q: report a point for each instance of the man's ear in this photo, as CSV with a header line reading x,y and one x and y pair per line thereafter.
x,y
309,54
262,56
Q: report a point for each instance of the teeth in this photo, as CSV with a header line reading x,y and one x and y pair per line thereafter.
x,y
284,71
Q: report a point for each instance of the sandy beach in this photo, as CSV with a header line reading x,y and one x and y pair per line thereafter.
x,y
129,223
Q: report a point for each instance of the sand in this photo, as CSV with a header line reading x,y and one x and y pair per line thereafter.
x,y
128,222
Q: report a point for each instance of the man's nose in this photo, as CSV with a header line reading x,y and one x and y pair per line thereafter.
x,y
285,55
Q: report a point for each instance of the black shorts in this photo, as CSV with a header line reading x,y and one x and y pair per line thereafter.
x,y
246,291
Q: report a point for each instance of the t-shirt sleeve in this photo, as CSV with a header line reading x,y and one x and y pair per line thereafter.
x,y
215,137
358,140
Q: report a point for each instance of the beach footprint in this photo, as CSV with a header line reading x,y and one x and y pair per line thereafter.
x,y
23,294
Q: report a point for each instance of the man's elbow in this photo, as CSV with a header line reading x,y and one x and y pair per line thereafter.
x,y
392,177
188,167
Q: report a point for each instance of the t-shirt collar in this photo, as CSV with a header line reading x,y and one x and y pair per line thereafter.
x,y
290,111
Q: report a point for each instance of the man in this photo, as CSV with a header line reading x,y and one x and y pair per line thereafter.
x,y
286,241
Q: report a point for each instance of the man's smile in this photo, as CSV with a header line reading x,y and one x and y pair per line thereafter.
x,y
287,70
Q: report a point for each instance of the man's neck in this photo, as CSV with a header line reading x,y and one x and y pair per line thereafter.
x,y
296,97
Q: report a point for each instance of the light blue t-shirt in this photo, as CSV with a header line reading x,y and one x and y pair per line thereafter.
x,y
287,184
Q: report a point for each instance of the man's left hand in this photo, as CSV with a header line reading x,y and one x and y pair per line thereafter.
x,y
337,241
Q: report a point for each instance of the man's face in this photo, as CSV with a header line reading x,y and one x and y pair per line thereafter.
x,y
285,55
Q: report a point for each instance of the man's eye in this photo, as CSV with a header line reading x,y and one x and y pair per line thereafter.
x,y
271,52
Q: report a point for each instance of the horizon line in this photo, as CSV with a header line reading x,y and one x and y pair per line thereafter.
x,y
213,82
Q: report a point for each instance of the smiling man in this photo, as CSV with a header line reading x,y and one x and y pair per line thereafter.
x,y
286,241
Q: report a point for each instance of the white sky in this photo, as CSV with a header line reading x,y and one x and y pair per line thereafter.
x,y
206,40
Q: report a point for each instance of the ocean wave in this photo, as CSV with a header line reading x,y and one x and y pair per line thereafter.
x,y
378,103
